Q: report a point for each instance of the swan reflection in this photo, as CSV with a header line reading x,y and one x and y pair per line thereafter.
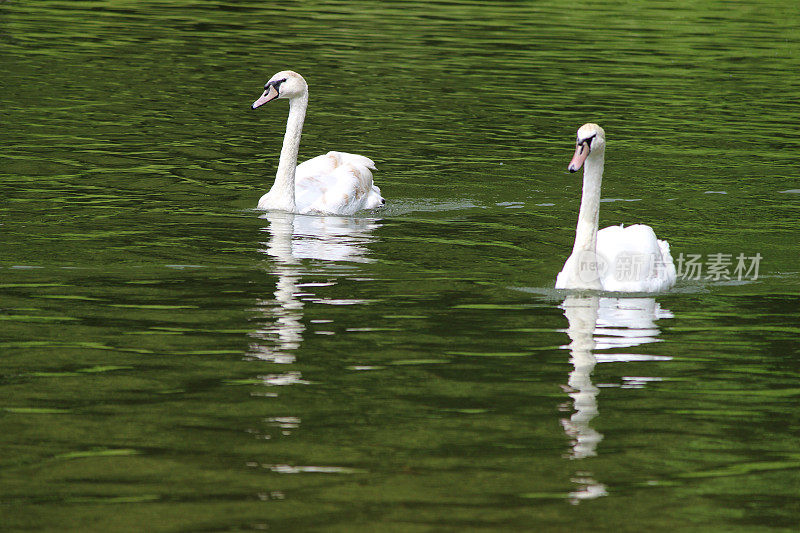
x,y
324,238
293,238
597,324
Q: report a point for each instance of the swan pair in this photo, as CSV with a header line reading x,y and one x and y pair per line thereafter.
x,y
614,259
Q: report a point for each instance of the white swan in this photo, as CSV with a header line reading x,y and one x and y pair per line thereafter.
x,y
616,258
335,183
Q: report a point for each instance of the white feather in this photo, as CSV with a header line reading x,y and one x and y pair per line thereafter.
x,y
338,183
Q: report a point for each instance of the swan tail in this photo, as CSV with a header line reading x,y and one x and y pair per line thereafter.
x,y
668,273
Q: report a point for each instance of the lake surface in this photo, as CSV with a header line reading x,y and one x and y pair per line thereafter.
x,y
173,360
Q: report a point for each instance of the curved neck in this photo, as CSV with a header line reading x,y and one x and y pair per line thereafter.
x,y
283,187
589,215
581,313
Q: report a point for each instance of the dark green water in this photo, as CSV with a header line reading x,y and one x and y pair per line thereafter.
x,y
171,360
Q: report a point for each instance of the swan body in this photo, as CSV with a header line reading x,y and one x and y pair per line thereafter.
x,y
616,258
336,183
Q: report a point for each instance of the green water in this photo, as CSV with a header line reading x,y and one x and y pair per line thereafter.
x,y
172,360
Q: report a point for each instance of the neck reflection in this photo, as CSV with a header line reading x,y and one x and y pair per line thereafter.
x,y
597,324
292,239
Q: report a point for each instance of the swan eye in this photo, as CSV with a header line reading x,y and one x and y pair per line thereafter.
x,y
587,141
276,84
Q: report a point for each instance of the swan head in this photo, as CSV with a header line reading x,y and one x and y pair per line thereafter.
x,y
591,140
284,84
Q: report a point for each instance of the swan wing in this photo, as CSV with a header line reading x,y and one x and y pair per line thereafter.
x,y
336,183
354,159
326,163
636,260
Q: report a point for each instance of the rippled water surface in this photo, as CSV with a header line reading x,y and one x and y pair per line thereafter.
x,y
172,360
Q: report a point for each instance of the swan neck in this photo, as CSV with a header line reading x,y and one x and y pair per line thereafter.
x,y
589,215
283,189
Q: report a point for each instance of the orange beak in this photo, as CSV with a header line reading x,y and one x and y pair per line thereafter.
x,y
581,153
269,94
